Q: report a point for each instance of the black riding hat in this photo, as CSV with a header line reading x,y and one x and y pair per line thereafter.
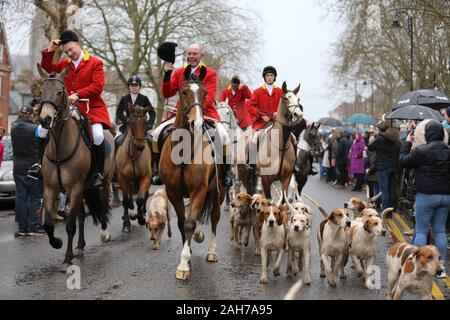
x,y
67,36
269,69
135,80
166,51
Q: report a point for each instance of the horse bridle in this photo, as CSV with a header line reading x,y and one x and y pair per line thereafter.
x,y
228,122
58,108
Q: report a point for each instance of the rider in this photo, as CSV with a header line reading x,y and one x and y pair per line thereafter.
x,y
84,81
263,105
172,85
237,93
137,99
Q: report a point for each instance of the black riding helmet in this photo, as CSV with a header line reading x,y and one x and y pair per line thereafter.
x,y
269,69
135,80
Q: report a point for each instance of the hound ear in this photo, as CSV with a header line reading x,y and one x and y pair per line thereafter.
x,y
187,73
202,73
41,71
297,89
284,87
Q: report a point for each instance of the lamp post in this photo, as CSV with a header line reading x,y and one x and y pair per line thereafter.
x,y
397,26
372,97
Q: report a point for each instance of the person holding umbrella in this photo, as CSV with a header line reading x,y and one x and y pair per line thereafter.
x,y
429,155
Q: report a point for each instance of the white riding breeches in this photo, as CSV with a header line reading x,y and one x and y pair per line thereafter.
x,y
97,133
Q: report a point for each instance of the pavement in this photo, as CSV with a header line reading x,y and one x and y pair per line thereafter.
x,y
128,268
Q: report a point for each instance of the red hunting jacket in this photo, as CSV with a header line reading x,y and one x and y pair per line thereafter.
x,y
172,87
237,104
88,80
263,104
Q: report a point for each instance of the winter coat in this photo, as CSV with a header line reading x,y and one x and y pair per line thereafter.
x,y
263,104
387,146
237,104
356,156
24,144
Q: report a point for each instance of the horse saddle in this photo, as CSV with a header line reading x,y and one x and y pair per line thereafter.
x,y
164,134
118,141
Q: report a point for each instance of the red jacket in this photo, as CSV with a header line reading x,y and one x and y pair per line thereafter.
x,y
88,80
263,104
172,87
237,104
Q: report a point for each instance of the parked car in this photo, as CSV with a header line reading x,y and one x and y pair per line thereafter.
x,y
7,184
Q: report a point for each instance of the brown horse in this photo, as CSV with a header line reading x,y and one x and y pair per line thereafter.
x,y
133,165
276,151
200,180
66,165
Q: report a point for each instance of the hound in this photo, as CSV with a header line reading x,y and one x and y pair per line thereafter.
x,y
158,209
242,219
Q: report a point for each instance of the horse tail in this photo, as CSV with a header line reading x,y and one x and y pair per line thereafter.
x,y
207,207
93,202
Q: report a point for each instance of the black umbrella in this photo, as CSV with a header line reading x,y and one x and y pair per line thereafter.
x,y
331,122
415,112
429,98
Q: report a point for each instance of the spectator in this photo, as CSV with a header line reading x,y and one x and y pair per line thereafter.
x,y
372,178
341,155
356,157
446,122
28,191
386,146
430,157
326,162
2,147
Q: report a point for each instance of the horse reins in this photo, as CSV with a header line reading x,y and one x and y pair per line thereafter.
x,y
57,119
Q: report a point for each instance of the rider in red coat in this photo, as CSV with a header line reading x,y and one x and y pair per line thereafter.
x,y
237,93
263,105
84,81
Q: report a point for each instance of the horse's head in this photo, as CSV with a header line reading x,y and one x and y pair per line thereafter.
x,y
225,113
138,125
291,111
312,136
54,96
192,99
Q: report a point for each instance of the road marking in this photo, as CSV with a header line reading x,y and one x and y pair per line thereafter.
x,y
402,222
447,281
435,291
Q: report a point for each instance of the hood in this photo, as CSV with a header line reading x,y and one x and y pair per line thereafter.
x,y
429,130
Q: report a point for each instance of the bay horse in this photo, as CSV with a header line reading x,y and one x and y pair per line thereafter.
x,y
66,165
309,142
134,166
276,151
198,180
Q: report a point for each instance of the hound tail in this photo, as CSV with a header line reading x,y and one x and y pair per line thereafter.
x,y
322,210
294,290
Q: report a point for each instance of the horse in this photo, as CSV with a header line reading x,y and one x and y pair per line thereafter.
x,y
133,166
309,141
198,181
66,166
277,145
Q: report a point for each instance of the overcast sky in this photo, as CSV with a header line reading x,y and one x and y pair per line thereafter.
x,y
297,41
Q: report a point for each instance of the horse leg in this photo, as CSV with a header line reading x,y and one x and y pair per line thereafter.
x,y
79,250
125,203
105,236
71,226
50,206
301,179
178,204
266,186
140,201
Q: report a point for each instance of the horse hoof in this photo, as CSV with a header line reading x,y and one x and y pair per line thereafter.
x,y
126,228
78,253
141,220
211,257
105,236
199,237
156,247
182,275
64,267
56,243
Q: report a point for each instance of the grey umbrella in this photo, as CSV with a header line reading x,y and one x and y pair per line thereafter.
x,y
429,98
331,122
415,112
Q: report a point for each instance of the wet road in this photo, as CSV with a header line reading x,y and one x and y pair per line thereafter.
x,y
128,268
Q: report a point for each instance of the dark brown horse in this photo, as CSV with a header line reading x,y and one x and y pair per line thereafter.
x,y
133,165
276,151
184,174
66,165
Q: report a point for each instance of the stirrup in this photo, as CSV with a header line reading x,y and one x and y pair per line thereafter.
x,y
156,180
227,180
96,181
35,172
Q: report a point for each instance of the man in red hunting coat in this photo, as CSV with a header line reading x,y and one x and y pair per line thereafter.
x,y
237,93
172,84
84,81
264,102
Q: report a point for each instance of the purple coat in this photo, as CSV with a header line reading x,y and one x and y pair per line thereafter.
x,y
356,156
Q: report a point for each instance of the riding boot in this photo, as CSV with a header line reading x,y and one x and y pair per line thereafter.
x,y
156,180
35,170
99,163
227,179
